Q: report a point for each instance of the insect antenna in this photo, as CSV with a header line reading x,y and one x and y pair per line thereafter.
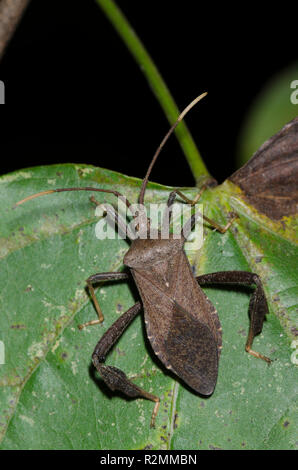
x,y
181,116
145,180
59,190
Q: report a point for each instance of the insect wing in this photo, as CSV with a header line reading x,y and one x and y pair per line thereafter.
x,y
191,351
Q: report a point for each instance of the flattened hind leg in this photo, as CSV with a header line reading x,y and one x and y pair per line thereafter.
x,y
115,378
258,307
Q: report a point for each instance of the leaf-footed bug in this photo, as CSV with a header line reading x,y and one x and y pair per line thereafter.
x,y
181,323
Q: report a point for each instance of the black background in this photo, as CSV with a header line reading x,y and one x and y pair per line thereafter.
x,y
75,94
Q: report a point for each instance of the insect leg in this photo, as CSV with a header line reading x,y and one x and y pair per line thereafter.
x,y
115,378
176,192
187,228
258,307
190,224
169,209
219,227
93,280
114,216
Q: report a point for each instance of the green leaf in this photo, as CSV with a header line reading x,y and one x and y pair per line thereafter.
x,y
50,395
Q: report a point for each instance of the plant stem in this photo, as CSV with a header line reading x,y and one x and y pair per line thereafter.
x,y
158,86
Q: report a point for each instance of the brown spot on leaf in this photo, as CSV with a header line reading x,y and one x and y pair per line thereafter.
x,y
119,308
269,178
148,447
175,425
17,326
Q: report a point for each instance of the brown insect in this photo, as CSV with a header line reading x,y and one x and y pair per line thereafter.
x,y
181,323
